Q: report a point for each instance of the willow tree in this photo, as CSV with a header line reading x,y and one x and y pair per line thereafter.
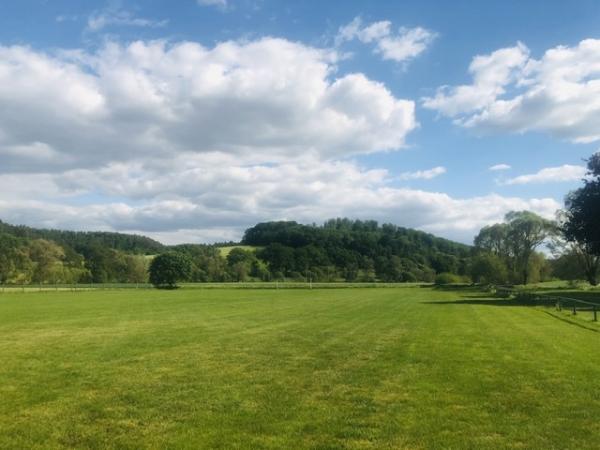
x,y
516,240
526,232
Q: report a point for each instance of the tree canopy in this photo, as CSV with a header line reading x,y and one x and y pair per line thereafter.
x,y
514,242
167,269
581,224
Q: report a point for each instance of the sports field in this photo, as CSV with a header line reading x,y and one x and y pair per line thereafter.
x,y
332,368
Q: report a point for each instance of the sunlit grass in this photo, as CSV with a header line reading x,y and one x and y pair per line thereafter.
x,y
226,250
347,368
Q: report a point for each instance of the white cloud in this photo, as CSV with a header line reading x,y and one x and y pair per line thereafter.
x,y
117,17
181,141
511,91
218,198
491,74
423,174
402,46
499,167
563,173
265,100
221,4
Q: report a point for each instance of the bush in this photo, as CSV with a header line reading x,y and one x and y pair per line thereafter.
x,y
447,278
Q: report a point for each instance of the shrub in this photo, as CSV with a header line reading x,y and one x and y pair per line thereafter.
x,y
447,278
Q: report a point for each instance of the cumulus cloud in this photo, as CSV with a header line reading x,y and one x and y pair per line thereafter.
x,y
563,173
498,167
402,46
180,141
269,99
512,91
219,199
423,174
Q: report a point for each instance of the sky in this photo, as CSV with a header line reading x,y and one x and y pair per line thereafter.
x,y
191,121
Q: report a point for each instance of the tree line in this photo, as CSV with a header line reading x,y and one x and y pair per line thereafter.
x,y
338,250
507,252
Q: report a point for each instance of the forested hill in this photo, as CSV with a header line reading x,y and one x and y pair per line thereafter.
x,y
340,249
357,249
131,243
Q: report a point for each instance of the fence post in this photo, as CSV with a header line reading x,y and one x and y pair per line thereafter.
x,y
574,310
595,314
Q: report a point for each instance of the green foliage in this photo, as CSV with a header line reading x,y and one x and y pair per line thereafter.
x,y
340,250
581,225
489,268
447,278
526,231
355,250
515,241
136,268
47,258
567,267
80,239
169,268
15,264
540,269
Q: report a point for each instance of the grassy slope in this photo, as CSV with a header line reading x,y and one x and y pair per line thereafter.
x,y
351,368
226,250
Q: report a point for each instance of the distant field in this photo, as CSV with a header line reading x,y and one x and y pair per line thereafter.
x,y
337,368
226,250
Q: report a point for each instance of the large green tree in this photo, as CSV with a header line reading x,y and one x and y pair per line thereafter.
x,y
47,257
516,240
526,232
581,225
488,268
169,268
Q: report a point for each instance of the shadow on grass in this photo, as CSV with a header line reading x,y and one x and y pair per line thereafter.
x,y
477,300
572,322
590,296
455,287
514,302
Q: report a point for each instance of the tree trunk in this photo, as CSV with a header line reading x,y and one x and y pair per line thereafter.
x,y
591,274
590,264
526,269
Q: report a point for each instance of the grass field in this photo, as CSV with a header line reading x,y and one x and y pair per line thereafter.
x,y
227,249
349,368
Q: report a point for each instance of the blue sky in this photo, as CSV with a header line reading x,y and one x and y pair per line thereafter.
x,y
181,120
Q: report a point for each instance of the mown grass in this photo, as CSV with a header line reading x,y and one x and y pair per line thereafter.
x,y
348,368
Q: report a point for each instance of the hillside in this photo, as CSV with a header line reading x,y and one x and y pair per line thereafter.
x,y
338,250
132,243
357,250
43,256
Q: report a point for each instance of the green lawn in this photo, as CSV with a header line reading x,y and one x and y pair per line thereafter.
x,y
348,368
